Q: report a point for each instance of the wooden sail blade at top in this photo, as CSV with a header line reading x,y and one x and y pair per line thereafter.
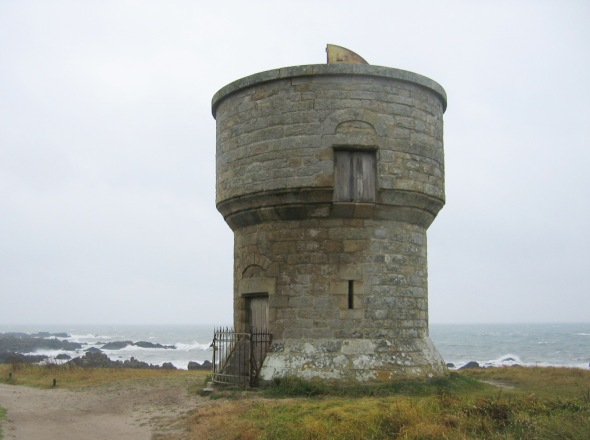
x,y
338,54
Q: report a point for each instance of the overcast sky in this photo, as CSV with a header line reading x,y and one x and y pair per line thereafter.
x,y
107,150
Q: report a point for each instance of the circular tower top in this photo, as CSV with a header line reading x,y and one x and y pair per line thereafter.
x,y
282,136
327,70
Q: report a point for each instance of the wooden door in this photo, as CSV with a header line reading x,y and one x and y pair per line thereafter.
x,y
258,313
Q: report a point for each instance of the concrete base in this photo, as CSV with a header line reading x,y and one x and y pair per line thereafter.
x,y
353,361
210,388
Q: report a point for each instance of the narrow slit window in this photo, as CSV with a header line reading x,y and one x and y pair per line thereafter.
x,y
351,294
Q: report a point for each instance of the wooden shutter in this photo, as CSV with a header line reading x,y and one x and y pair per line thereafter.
x,y
354,176
342,176
363,172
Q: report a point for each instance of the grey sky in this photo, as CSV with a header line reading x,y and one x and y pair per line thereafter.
x,y
107,150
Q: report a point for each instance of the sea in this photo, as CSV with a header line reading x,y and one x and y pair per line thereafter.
x,y
564,345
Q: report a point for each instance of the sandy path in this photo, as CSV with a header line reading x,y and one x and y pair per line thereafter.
x,y
132,412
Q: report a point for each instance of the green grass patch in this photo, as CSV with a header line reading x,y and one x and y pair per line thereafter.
x,y
2,419
434,417
73,377
546,382
453,383
532,403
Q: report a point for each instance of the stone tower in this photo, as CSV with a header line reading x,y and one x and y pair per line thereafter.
x,y
329,176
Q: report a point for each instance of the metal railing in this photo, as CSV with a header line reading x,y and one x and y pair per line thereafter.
x,y
238,357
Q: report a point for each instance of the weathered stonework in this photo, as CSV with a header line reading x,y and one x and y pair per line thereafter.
x,y
345,279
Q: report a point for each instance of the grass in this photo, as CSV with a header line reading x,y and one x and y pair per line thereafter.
x,y
543,382
533,403
2,418
73,377
544,403
294,387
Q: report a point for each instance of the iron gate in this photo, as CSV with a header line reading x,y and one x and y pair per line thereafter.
x,y
237,357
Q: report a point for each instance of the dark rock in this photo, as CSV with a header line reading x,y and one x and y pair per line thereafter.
x,y
63,356
101,360
18,358
116,345
168,366
92,359
144,344
468,365
134,363
450,365
24,343
93,350
206,365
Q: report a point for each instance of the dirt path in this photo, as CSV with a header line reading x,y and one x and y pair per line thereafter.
x,y
132,412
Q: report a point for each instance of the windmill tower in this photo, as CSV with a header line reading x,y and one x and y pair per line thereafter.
x,y
329,176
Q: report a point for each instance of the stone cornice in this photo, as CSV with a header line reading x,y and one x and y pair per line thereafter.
x,y
328,70
397,205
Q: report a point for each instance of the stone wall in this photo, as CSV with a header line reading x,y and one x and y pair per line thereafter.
x,y
346,280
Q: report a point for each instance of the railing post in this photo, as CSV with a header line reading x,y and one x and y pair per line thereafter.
x,y
251,360
214,350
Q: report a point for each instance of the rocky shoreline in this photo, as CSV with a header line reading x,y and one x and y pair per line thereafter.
x,y
101,360
15,346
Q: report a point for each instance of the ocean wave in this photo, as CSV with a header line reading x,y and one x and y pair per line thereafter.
x,y
193,346
128,348
87,338
48,353
52,355
506,360
510,360
180,346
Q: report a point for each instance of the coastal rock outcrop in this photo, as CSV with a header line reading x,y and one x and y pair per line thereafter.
x,y
101,360
20,347
116,345
18,358
13,346
206,365
469,365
